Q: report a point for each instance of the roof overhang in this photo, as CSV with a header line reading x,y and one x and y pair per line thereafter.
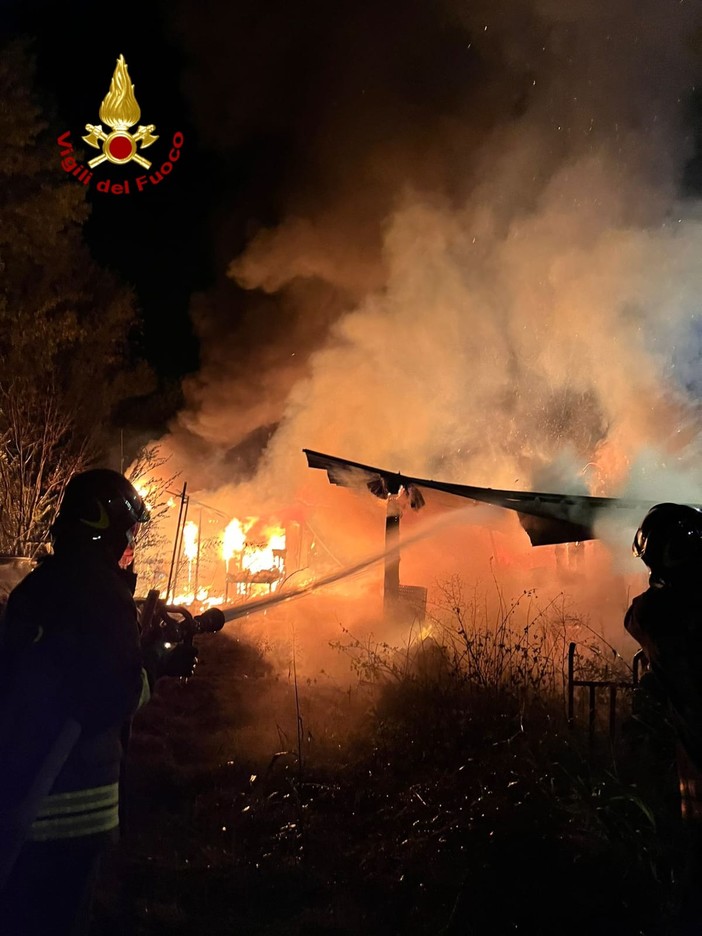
x,y
547,518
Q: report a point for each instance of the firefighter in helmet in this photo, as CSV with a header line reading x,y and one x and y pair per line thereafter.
x,y
72,677
666,620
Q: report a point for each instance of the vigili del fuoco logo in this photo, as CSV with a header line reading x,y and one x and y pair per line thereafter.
x,y
119,111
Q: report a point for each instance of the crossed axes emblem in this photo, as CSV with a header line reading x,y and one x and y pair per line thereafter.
x,y
120,146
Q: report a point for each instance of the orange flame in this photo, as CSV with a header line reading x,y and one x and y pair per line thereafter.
x,y
234,539
190,540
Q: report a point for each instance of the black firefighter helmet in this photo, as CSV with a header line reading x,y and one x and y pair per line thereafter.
x,y
99,507
669,540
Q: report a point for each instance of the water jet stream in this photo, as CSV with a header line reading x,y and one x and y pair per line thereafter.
x,y
253,607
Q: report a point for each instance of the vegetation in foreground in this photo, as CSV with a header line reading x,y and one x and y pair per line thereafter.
x,y
423,800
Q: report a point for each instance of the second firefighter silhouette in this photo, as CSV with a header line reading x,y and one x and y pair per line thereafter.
x,y
666,620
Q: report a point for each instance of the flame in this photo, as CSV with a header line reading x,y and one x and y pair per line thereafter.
x,y
119,108
146,491
253,554
234,539
190,540
277,540
261,555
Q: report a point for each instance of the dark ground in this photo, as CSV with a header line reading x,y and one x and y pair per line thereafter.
x,y
425,808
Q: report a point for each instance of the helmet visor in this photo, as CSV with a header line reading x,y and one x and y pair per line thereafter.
x,y
639,544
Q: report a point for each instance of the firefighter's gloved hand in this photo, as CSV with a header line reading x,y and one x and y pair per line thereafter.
x,y
165,659
179,660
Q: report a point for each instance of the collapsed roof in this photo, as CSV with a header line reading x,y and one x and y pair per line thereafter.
x,y
547,518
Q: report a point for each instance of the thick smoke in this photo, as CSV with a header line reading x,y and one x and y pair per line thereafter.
x,y
483,265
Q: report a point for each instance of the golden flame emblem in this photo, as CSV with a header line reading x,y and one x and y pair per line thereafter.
x,y
120,111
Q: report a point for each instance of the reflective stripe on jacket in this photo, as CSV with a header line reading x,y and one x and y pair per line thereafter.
x,y
82,812
79,812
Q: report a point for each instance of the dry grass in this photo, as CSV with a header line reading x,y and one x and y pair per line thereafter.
x,y
441,794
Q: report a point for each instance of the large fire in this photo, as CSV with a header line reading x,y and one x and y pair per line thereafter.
x,y
217,563
254,562
337,536
339,540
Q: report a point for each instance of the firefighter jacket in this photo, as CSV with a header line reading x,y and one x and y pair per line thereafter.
x,y
666,620
69,655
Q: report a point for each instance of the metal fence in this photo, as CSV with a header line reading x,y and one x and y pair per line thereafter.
x,y
596,688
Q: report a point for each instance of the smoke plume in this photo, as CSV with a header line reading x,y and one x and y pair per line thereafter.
x,y
478,259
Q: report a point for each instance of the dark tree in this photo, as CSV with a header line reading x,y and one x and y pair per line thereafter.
x,y
67,326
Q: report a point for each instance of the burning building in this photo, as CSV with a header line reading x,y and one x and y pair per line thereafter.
x,y
216,560
250,560
254,556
